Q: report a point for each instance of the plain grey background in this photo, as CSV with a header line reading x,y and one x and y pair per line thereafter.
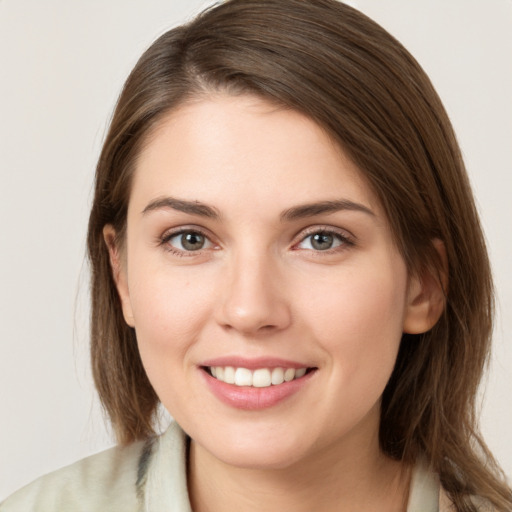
x,y
62,66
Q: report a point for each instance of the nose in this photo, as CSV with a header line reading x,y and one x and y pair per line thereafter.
x,y
253,299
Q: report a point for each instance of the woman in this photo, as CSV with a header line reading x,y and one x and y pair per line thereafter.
x,y
286,255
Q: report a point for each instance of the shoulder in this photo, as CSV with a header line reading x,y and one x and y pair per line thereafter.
x,y
105,481
149,475
446,504
427,494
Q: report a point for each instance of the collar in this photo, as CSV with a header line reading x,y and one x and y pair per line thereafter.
x,y
162,477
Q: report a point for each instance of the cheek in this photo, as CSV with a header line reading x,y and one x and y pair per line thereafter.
x,y
170,310
358,319
358,309
360,328
170,307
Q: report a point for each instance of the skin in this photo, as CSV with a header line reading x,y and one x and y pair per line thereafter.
x,y
260,288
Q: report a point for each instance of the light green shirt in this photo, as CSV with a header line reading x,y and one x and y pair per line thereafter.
x,y
151,477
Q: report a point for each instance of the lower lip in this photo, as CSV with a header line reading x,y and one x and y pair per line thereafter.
x,y
250,398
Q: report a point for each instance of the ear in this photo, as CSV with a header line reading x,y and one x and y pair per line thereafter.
x,y
119,272
426,298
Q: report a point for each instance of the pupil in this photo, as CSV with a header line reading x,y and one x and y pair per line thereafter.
x,y
192,241
322,241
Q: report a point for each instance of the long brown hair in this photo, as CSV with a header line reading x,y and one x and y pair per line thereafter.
x,y
348,74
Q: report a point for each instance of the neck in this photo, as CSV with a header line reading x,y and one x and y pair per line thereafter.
x,y
336,479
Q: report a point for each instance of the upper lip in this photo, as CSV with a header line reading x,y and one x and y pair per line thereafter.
x,y
254,363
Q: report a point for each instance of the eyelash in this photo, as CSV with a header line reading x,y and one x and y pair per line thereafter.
x,y
345,241
164,241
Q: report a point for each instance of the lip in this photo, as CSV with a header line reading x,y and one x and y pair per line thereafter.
x,y
251,398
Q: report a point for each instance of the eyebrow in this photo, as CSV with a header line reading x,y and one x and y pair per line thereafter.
x,y
291,214
323,207
181,205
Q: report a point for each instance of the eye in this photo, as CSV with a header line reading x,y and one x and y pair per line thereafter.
x,y
323,240
187,241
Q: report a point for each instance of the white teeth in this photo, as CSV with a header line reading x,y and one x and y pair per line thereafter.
x,y
289,374
243,377
260,378
277,376
229,375
300,373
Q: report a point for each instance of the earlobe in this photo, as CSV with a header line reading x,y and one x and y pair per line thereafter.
x,y
118,272
426,298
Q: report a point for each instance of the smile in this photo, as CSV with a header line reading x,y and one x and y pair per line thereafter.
x,y
258,378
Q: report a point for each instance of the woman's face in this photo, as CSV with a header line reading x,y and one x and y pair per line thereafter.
x,y
256,252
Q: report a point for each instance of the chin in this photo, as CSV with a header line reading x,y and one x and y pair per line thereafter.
x,y
260,459
274,450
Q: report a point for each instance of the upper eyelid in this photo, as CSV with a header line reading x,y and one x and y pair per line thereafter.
x,y
169,233
311,230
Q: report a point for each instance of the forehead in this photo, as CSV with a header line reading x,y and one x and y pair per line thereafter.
x,y
223,148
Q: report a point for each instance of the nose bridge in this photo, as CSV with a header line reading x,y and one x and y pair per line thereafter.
x,y
254,294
